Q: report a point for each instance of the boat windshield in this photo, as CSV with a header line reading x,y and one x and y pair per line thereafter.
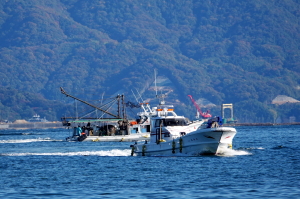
x,y
171,122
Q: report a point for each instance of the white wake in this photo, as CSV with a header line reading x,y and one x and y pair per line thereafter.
x,y
232,152
114,152
28,140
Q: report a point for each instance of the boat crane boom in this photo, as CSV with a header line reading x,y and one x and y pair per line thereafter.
x,y
68,95
204,115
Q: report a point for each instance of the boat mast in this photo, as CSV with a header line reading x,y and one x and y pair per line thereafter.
x,y
76,111
161,96
155,82
119,106
124,110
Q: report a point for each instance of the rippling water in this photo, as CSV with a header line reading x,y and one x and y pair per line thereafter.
x,y
264,163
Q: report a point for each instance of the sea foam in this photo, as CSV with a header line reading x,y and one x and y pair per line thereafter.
x,y
114,152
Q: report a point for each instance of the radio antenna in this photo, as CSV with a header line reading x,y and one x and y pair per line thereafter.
x,y
155,82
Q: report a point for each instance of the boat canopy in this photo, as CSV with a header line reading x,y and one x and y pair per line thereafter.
x,y
94,120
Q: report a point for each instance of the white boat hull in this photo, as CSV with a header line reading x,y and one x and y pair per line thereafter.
x,y
116,138
200,142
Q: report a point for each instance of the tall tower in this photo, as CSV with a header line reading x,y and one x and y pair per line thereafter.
x,y
230,106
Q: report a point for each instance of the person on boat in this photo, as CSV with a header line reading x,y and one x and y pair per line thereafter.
x,y
91,132
77,131
88,129
82,130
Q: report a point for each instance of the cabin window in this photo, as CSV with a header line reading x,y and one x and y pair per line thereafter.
x,y
171,122
167,134
148,128
134,130
175,122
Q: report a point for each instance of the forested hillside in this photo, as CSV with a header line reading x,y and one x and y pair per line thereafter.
x,y
233,51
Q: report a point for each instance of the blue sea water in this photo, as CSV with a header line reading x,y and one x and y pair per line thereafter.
x,y
264,163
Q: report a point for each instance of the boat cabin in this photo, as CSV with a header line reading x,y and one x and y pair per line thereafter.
x,y
164,119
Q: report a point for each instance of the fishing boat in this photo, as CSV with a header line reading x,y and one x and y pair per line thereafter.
x,y
172,134
111,130
108,131
116,128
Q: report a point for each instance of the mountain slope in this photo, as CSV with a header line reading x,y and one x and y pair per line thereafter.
x,y
224,51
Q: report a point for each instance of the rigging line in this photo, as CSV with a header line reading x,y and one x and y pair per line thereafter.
x,y
88,114
103,106
108,108
132,111
104,112
91,113
102,98
108,95
111,103
135,96
93,100
83,109
68,95
139,95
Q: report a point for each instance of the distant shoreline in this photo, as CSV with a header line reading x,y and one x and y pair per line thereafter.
x,y
31,125
57,124
262,124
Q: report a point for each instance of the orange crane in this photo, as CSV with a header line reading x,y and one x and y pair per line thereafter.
x,y
204,115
